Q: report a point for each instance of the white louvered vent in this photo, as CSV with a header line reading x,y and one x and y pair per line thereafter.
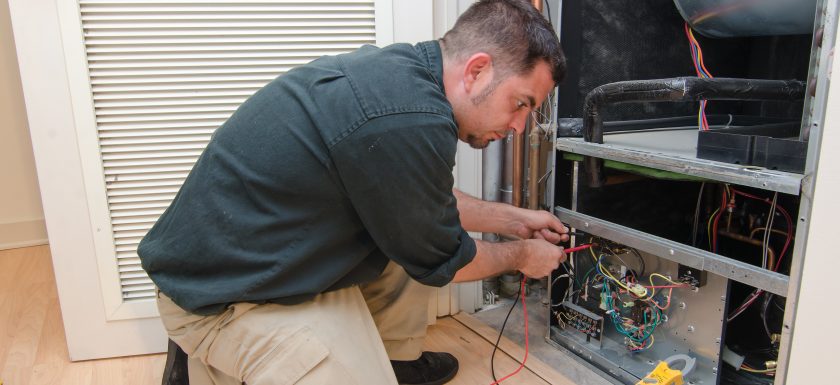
x,y
166,74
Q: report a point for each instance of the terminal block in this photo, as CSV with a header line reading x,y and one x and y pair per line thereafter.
x,y
588,324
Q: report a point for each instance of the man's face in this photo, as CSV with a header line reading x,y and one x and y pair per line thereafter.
x,y
495,108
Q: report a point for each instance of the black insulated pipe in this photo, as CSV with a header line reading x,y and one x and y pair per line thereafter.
x,y
673,90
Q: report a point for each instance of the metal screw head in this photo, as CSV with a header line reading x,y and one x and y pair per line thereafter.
x,y
585,224
671,251
682,305
691,328
714,369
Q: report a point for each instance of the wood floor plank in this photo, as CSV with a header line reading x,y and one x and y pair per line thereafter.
x,y
20,354
28,298
52,352
473,354
513,349
12,299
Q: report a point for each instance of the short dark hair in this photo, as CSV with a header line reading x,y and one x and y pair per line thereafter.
x,y
513,32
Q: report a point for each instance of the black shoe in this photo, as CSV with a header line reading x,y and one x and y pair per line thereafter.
x,y
175,370
430,369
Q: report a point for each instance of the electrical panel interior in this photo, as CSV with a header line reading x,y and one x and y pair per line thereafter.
x,y
690,202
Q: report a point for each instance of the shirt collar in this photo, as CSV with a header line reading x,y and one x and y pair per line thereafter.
x,y
430,51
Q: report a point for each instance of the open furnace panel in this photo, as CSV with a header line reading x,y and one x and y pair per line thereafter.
x,y
695,215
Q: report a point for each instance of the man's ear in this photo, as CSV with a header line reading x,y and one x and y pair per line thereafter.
x,y
478,69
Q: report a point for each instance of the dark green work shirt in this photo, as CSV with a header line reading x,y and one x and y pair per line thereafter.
x,y
315,183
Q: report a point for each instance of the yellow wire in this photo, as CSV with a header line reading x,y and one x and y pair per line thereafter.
x,y
758,370
709,231
663,277
653,289
592,251
607,273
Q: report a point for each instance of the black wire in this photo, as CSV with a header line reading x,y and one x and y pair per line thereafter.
x,y
548,11
641,260
496,346
697,215
765,305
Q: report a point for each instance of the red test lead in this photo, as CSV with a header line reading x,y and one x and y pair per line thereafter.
x,y
577,248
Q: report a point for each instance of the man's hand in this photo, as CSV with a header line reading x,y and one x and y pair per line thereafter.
x,y
540,258
494,217
536,258
538,224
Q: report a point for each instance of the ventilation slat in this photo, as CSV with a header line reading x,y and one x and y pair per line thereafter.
x,y
166,74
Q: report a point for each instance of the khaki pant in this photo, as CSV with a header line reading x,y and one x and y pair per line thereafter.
x,y
345,336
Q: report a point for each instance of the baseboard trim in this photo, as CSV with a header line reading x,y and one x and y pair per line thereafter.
x,y
27,233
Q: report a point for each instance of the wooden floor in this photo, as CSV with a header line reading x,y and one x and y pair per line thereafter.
x,y
33,350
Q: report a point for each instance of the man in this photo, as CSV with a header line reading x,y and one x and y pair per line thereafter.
x,y
303,245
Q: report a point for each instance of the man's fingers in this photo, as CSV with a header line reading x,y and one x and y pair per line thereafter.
x,y
556,225
551,236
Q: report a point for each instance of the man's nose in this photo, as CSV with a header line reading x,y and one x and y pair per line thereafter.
x,y
519,122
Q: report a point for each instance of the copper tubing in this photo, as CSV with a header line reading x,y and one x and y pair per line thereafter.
x,y
518,169
780,232
771,255
533,165
533,157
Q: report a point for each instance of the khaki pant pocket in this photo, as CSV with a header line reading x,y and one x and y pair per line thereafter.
x,y
268,356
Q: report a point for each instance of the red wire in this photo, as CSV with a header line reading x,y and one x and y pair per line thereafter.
x,y
693,51
525,314
788,219
778,262
717,220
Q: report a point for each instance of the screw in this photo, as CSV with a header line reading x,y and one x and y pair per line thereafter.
x,y
682,305
714,369
690,328
671,251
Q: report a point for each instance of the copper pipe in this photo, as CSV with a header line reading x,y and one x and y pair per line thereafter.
x,y
533,156
771,255
780,232
533,164
518,169
507,169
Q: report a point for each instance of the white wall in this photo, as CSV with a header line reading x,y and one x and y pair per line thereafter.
x,y
21,215
815,339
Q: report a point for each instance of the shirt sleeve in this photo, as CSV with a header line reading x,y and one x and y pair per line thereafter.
x,y
397,172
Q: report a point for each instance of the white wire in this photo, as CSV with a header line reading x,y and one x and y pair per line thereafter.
x,y
766,238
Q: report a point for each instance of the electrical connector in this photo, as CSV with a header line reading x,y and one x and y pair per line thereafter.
x,y
638,290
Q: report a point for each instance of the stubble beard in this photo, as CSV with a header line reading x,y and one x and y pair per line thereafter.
x,y
474,141
477,143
